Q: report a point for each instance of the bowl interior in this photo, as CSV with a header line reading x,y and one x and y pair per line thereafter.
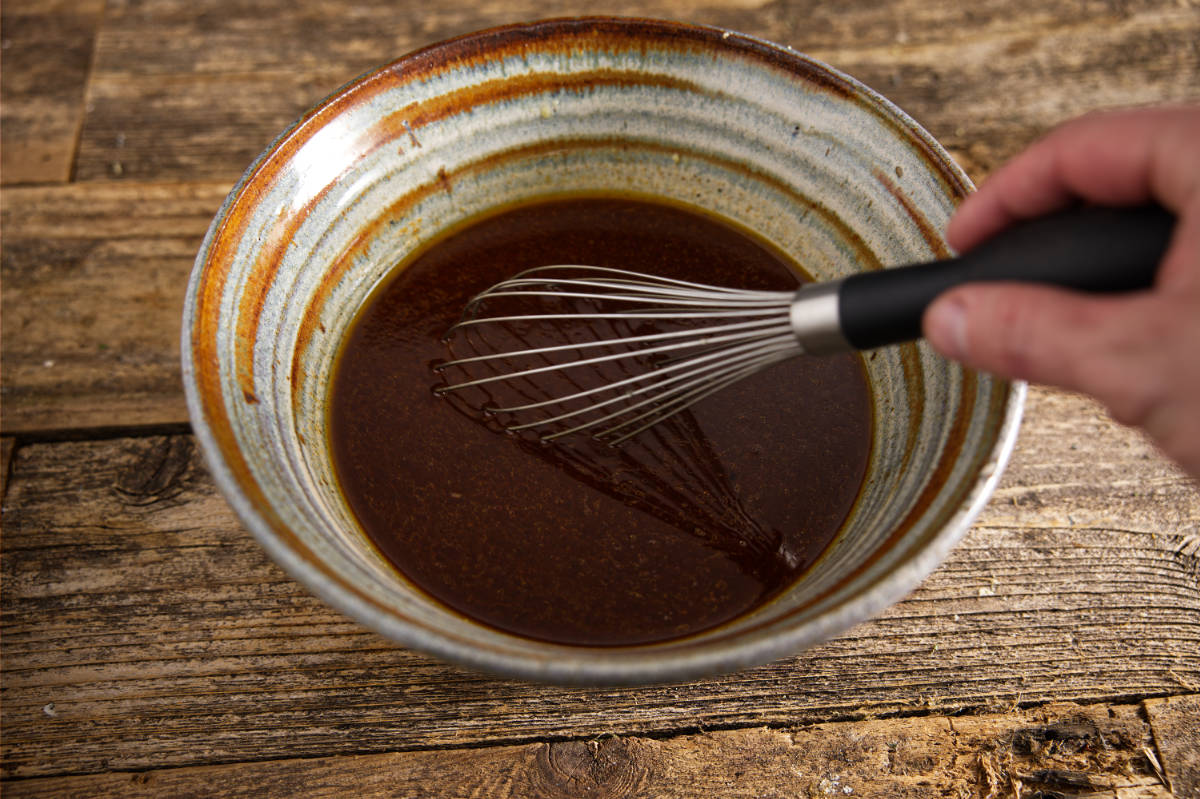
x,y
817,165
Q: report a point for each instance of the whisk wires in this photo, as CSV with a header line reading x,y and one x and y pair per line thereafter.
x,y
568,349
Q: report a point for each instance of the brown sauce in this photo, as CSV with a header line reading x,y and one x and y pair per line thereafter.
x,y
687,526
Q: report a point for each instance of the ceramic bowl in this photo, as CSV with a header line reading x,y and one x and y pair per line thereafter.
x,y
814,162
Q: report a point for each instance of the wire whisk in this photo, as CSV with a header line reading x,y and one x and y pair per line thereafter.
x,y
615,351
560,350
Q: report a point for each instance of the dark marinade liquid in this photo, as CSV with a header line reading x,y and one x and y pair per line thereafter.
x,y
687,526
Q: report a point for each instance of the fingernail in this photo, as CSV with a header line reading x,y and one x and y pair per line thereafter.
x,y
947,328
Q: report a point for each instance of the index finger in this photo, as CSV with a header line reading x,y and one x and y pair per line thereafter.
x,y
1109,158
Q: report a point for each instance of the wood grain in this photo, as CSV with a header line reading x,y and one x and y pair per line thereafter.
x,y
1176,725
183,93
47,52
1059,749
148,647
94,278
143,628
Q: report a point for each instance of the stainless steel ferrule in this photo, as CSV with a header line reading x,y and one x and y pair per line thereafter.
x,y
815,320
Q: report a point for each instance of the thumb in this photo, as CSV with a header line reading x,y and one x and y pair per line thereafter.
x,y
1038,333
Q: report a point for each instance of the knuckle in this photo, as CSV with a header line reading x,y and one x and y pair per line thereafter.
x,y
1175,428
1138,364
1015,338
1131,403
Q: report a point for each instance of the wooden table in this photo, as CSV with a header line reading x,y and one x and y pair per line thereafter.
x,y
149,647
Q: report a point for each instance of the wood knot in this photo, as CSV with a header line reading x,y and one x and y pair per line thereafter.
x,y
1068,736
609,768
157,470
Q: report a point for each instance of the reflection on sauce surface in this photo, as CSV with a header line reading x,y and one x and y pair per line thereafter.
x,y
688,525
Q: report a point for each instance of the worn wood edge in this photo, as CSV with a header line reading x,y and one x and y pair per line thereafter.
x,y
1175,722
1059,749
8,445
62,435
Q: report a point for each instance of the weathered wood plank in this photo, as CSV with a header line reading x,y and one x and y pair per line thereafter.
x,y
47,49
1176,725
142,627
988,79
984,77
94,278
1095,750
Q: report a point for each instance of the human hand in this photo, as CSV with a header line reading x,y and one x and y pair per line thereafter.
x,y
1139,354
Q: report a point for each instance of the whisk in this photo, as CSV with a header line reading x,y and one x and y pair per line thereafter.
x,y
569,349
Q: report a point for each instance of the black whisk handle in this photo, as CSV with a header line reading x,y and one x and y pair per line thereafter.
x,y
1090,248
